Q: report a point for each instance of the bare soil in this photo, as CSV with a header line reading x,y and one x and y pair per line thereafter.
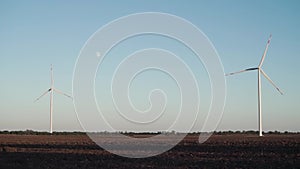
x,y
220,151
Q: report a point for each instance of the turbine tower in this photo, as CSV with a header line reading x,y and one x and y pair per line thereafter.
x,y
260,71
52,90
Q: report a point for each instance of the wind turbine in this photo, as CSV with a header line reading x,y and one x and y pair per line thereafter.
x,y
52,90
260,71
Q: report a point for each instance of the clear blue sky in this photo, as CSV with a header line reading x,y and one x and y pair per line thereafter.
x,y
34,34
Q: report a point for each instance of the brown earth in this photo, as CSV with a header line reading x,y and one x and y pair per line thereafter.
x,y
220,151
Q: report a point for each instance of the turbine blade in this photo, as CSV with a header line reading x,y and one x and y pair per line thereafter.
x,y
269,79
52,80
241,71
42,95
60,92
265,52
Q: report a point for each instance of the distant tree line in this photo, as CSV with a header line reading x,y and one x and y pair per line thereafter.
x,y
254,132
32,132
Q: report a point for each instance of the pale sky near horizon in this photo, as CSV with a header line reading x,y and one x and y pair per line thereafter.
x,y
35,34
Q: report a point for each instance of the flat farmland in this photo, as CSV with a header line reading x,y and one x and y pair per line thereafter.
x,y
219,151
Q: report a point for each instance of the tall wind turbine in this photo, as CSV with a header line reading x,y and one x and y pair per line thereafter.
x,y
260,71
52,90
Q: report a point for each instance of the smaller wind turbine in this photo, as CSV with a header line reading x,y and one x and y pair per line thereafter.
x,y
52,90
259,70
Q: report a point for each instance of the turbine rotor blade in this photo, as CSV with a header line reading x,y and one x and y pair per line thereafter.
x,y
265,52
241,71
60,92
52,80
269,79
43,95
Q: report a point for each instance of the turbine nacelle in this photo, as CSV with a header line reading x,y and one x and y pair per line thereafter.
x,y
252,69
